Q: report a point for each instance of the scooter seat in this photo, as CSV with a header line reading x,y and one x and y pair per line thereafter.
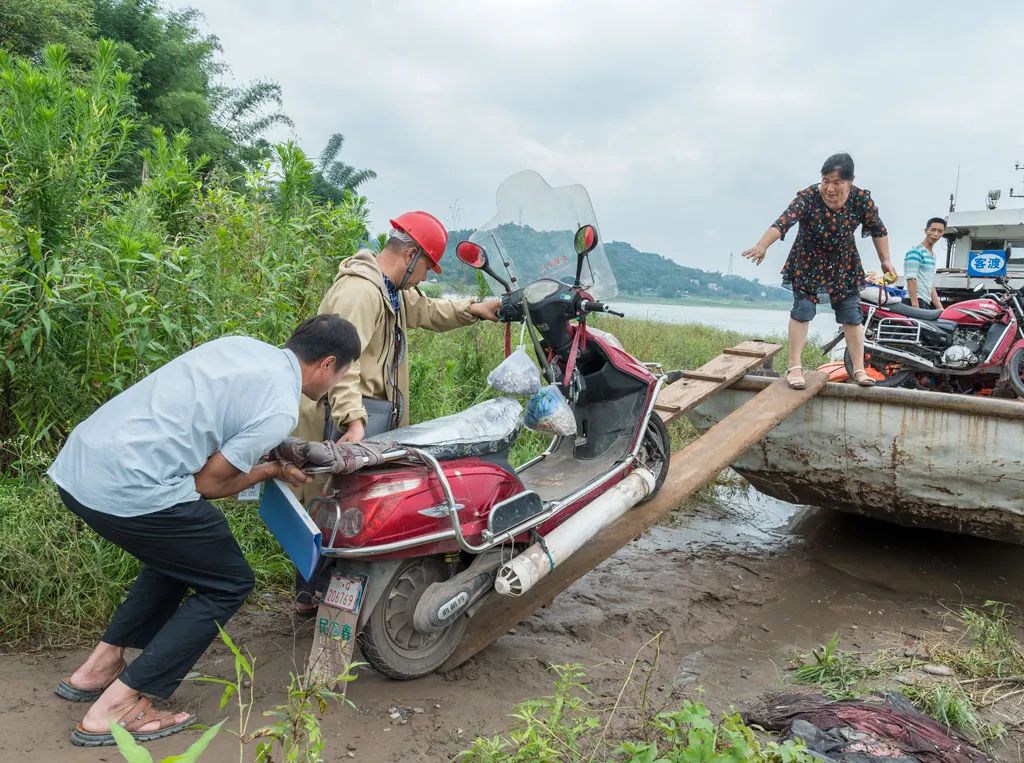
x,y
912,312
481,430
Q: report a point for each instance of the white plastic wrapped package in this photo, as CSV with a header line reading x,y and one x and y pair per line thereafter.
x,y
606,336
515,375
549,413
487,427
883,296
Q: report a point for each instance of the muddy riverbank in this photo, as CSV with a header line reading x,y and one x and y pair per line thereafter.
x,y
736,584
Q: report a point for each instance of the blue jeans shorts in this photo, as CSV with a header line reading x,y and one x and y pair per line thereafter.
x,y
847,309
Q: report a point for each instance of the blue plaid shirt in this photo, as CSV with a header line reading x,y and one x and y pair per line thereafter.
x,y
396,304
396,301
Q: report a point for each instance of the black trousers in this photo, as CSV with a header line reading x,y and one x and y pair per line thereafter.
x,y
188,546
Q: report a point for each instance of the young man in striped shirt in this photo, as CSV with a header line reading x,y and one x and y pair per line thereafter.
x,y
919,267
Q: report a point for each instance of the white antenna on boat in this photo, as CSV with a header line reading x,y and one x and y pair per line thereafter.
x,y
1017,166
952,208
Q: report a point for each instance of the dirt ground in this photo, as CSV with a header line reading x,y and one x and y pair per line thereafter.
x,y
736,588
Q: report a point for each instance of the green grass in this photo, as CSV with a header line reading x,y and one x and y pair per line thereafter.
x,y
951,706
994,651
60,582
835,672
986,658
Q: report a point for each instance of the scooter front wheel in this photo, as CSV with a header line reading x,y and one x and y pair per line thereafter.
x,y
390,642
655,452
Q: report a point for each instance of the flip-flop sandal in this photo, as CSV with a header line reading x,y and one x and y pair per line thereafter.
x,y
797,382
862,379
67,690
142,713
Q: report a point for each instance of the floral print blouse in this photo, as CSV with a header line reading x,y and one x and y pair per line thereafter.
x,y
824,257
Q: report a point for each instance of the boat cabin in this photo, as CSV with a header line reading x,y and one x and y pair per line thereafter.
x,y
973,231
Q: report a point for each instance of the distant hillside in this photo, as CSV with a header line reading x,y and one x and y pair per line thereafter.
x,y
645,273
639,274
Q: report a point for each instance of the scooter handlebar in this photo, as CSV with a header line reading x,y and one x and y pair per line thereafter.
x,y
587,306
511,310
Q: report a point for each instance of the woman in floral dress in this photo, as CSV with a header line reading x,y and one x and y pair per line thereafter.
x,y
824,259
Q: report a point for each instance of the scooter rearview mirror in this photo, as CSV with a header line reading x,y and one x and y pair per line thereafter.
x,y
474,255
585,240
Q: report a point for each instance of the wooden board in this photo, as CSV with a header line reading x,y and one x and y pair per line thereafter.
x,y
698,385
691,468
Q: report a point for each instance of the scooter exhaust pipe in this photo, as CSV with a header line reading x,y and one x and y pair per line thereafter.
x,y
443,602
524,571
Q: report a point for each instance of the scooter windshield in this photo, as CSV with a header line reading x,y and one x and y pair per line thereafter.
x,y
534,229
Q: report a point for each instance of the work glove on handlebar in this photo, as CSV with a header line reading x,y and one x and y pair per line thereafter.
x,y
340,458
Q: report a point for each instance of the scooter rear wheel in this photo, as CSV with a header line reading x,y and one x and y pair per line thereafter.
x,y
390,642
655,452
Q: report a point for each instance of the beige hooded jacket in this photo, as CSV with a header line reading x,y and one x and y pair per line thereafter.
x,y
359,295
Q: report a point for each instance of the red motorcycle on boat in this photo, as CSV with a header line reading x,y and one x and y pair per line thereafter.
x,y
966,347
428,539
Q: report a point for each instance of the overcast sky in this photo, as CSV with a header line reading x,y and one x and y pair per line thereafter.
x,y
691,124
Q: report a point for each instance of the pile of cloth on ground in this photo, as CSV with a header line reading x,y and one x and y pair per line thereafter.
x,y
886,729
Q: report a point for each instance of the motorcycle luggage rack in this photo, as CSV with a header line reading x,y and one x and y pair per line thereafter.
x,y
898,331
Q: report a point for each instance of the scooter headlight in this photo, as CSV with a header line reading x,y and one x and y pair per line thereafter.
x,y
348,525
540,290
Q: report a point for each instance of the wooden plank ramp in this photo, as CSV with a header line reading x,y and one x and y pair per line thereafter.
x,y
698,385
691,468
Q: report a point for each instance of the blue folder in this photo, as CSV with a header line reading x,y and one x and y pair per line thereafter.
x,y
288,520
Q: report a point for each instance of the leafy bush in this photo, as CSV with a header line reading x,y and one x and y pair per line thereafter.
x,y
102,286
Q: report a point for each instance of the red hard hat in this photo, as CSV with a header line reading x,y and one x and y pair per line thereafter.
x,y
427,231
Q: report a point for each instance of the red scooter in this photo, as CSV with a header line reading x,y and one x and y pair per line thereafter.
x,y
429,539
963,348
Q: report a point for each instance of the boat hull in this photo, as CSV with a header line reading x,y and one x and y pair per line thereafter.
x,y
920,459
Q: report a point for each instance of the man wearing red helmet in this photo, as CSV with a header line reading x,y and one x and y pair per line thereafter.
x,y
378,294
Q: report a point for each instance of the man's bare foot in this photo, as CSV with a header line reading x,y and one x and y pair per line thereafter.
x,y
104,665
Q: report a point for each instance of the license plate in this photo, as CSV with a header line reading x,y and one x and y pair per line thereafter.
x,y
345,592
251,493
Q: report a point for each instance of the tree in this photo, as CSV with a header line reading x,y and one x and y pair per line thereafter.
x,y
58,140
174,70
334,179
27,26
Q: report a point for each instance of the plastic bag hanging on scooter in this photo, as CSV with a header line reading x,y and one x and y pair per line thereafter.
x,y
548,412
516,374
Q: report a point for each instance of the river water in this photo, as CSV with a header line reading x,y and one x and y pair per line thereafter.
x,y
750,321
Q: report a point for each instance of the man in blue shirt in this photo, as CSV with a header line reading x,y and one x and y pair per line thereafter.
x,y
139,472
919,267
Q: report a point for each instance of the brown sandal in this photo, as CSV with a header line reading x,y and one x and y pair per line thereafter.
x,y
67,690
797,381
862,379
138,715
